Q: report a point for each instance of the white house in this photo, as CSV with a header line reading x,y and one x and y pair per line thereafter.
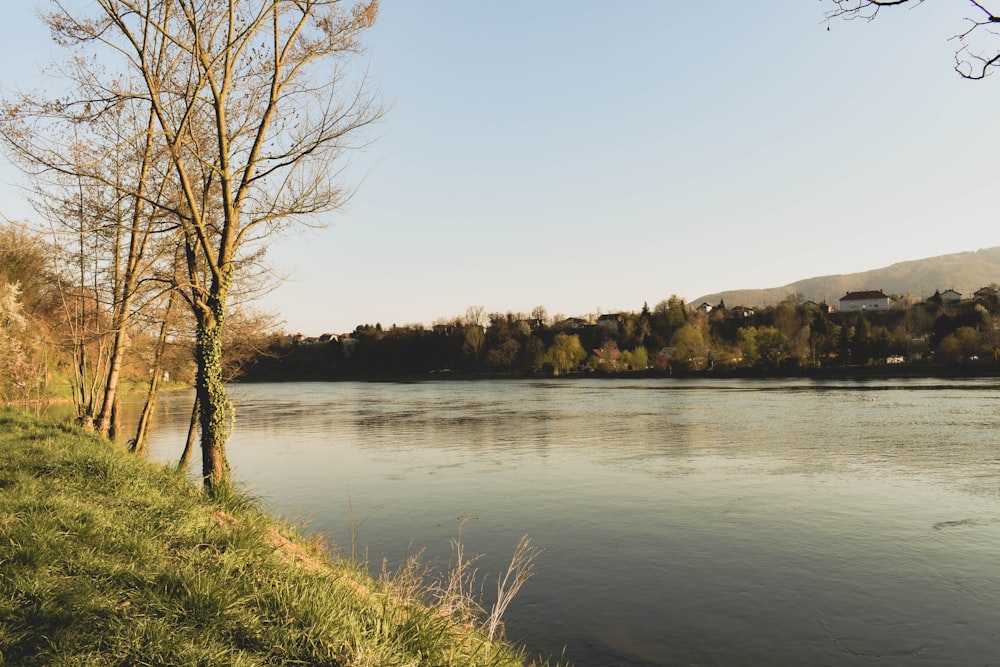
x,y
869,300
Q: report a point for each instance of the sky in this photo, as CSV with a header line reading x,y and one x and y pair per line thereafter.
x,y
593,156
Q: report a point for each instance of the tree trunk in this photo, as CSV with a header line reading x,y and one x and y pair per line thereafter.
x,y
214,407
140,444
104,418
189,443
126,282
114,427
84,417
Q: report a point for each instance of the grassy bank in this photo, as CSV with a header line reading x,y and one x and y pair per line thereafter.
x,y
109,560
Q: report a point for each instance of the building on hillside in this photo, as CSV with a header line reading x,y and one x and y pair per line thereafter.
x,y
741,311
705,307
986,294
867,300
609,357
610,321
950,296
570,323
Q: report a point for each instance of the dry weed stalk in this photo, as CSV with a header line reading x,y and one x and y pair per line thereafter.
x,y
458,597
455,592
522,566
408,582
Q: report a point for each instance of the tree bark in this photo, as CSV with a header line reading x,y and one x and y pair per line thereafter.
x,y
104,418
185,461
214,408
140,444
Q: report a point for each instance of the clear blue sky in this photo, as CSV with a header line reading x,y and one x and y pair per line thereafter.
x,y
589,156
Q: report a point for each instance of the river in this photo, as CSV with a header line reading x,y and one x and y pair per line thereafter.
x,y
682,522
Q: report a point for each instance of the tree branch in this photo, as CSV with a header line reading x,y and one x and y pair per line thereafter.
x,y
979,47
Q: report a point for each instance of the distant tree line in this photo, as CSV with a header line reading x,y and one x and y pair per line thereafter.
x,y
670,338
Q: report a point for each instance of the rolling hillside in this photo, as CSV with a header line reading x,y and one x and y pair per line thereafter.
x,y
964,271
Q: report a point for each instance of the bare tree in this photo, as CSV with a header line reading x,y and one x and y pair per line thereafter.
x,y
540,317
98,178
136,250
255,109
979,42
475,316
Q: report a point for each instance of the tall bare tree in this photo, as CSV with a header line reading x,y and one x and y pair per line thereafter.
x,y
254,107
978,51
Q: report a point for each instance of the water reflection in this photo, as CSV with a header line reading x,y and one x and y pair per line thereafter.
x,y
684,522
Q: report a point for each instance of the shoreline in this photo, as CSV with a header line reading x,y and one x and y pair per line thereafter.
x,y
983,370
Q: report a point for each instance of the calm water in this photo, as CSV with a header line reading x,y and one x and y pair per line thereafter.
x,y
788,522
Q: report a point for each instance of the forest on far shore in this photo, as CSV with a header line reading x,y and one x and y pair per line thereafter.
x,y
671,338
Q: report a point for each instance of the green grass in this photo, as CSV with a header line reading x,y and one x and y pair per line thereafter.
x,y
106,559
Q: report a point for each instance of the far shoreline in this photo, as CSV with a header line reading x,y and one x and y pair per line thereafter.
x,y
870,372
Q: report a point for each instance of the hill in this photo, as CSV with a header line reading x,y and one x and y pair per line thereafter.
x,y
964,271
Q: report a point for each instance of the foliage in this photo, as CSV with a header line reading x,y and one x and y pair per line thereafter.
x,y
475,342
566,353
779,338
671,313
963,344
748,345
772,345
691,344
503,355
640,358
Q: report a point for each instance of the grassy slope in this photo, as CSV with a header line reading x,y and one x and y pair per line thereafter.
x,y
109,560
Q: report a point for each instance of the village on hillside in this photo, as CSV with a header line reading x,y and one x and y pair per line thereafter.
x,y
867,300
874,300
867,328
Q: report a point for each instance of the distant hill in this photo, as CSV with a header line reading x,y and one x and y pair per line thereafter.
x,y
964,272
